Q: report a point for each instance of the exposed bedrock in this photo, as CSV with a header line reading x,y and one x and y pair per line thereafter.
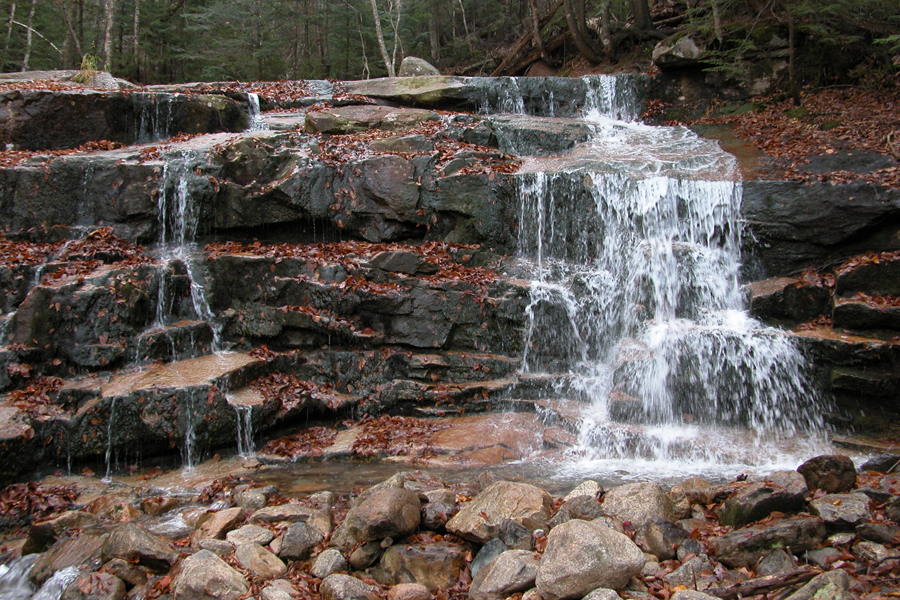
x,y
58,119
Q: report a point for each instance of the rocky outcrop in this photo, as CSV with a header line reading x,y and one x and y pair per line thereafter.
x,y
49,120
793,225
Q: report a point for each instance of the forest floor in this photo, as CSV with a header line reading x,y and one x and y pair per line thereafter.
x,y
838,134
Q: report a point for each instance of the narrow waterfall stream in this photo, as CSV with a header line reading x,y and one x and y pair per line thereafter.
x,y
632,242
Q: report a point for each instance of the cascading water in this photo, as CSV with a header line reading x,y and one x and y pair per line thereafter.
x,y
633,245
178,221
244,418
257,122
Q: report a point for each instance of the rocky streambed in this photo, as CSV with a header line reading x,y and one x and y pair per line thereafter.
x,y
824,530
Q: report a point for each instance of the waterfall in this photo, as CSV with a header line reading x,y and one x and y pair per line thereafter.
x,y
257,122
632,243
156,115
244,418
109,441
179,218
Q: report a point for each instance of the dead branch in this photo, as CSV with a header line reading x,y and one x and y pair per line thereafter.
x,y
762,585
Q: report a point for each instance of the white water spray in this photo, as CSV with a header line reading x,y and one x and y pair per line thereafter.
x,y
244,431
633,244
257,122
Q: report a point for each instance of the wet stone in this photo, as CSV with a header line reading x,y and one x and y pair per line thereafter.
x,y
250,534
822,557
489,552
328,562
882,533
842,509
205,576
639,503
777,561
220,547
345,587
744,547
299,541
259,561
832,473
513,571
95,586
783,491
435,565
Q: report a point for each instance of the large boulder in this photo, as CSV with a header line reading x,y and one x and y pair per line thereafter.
x,y
677,51
205,576
260,562
582,556
511,572
57,119
385,513
412,66
638,503
842,510
783,491
434,565
345,587
134,543
481,518
833,473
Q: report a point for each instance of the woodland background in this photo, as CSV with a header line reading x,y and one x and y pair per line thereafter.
x,y
168,41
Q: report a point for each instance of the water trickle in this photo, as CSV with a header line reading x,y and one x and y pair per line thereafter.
x,y
633,246
54,587
245,431
189,449
257,122
109,441
156,115
14,578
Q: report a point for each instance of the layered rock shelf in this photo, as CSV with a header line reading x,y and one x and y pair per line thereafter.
x,y
353,257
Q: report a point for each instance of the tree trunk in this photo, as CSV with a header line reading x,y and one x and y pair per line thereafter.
x,y
641,14
605,29
395,25
579,31
379,34
434,32
12,17
27,56
72,36
136,32
536,30
110,8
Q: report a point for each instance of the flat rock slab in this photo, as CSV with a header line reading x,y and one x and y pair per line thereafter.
x,y
186,373
348,119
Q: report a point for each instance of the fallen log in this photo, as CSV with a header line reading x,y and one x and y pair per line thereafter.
x,y
763,585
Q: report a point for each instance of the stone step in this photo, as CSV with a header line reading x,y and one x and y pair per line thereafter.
x,y
177,341
868,383
788,300
878,316
881,278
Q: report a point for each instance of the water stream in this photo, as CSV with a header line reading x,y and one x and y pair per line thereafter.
x,y
632,243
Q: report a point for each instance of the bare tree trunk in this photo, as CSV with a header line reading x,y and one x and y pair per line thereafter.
x,y
9,24
72,37
579,31
110,8
27,56
434,32
380,35
395,25
136,31
605,30
641,14
717,20
536,30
